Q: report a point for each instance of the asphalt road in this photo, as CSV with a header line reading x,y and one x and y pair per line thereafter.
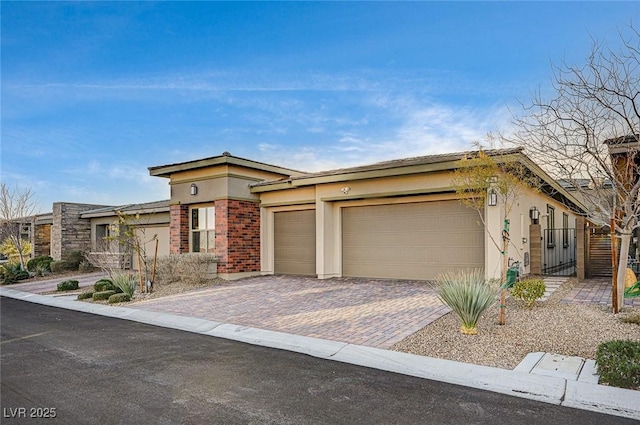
x,y
87,369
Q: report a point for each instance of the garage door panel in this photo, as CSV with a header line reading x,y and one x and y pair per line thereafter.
x,y
295,242
411,241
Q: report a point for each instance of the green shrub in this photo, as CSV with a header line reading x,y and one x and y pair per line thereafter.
x,y
528,291
126,282
618,363
38,264
85,295
68,285
61,266
119,298
468,294
85,267
43,269
104,285
12,273
630,318
74,258
103,295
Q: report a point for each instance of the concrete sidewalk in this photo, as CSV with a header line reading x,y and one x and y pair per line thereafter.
x,y
537,378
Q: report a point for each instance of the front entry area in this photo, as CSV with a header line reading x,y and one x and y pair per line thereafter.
x,y
414,241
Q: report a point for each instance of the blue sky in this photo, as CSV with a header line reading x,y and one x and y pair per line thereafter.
x,y
93,93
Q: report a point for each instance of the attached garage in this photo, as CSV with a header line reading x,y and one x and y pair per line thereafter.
x,y
410,241
295,242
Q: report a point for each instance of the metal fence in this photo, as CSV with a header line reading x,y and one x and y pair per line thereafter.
x,y
559,252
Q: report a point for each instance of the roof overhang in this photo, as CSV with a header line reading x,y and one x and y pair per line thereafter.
x,y
421,165
225,158
129,209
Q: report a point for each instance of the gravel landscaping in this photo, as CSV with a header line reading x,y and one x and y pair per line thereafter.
x,y
549,326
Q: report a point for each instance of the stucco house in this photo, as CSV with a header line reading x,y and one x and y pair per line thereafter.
x,y
398,219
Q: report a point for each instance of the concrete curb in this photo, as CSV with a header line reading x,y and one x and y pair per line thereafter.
x,y
519,382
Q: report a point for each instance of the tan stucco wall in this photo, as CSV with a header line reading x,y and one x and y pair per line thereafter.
x,y
147,234
328,200
296,196
519,228
154,223
218,182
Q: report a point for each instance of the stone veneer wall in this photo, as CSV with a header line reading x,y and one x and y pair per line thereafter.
x,y
179,229
69,232
237,236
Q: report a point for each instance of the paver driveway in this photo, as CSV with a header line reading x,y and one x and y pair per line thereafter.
x,y
358,311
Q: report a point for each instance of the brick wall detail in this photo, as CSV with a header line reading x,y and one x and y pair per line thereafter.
x,y
179,229
237,236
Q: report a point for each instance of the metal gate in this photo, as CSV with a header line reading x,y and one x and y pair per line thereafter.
x,y
559,252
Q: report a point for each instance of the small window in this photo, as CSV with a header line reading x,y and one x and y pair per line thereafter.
x,y
565,229
551,225
203,229
103,231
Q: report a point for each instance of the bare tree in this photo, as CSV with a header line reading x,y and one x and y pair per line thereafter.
x,y
485,174
127,237
587,136
16,208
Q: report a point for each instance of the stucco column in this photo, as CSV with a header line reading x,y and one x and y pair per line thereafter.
x,y
535,245
493,241
328,248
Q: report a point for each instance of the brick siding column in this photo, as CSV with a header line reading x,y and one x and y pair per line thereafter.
x,y
237,236
179,229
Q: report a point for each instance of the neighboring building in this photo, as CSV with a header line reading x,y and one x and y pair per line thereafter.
x,y
74,226
151,220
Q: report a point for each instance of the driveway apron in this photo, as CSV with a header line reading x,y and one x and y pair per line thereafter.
x,y
374,313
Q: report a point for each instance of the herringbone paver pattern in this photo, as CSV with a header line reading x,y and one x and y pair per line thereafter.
x,y
358,311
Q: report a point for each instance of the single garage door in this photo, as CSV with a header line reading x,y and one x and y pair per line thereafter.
x,y
295,242
410,241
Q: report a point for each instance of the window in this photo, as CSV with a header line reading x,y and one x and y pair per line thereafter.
x,y
103,231
203,229
551,225
565,229
25,231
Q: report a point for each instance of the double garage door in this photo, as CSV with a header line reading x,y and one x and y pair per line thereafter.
x,y
396,241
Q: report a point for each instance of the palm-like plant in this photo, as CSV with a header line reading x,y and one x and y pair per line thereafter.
x,y
468,294
126,282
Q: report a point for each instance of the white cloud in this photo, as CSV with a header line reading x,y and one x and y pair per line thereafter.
x,y
421,128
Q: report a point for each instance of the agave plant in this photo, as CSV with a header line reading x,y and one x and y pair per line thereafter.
x,y
126,282
468,294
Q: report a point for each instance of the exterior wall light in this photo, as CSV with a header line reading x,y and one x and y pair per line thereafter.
x,y
194,189
492,198
534,214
